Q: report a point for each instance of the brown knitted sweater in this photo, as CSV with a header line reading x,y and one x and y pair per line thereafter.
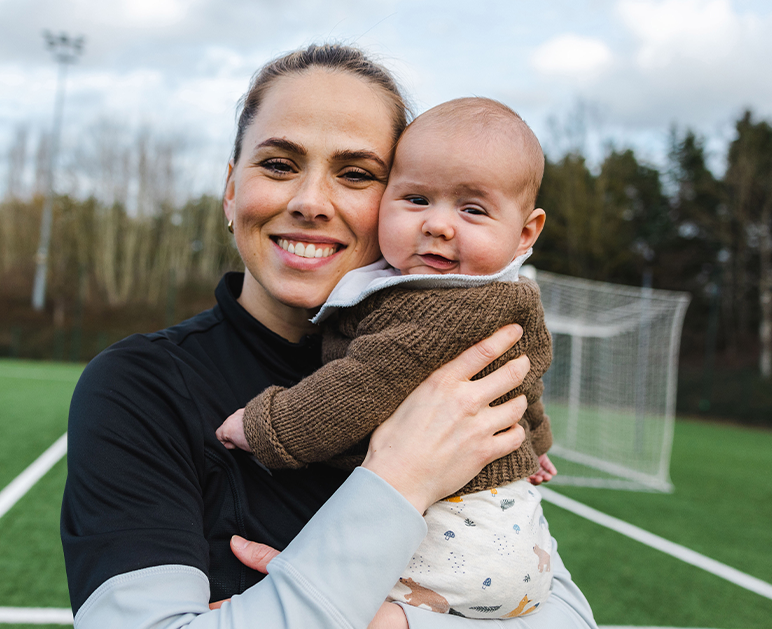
x,y
378,351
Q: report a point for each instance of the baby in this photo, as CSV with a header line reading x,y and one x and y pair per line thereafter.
x,y
456,221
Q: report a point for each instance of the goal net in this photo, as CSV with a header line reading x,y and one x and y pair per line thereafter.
x,y
610,391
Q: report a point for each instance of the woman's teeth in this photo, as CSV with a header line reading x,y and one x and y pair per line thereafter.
x,y
309,250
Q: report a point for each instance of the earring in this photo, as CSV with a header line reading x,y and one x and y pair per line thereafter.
x,y
230,226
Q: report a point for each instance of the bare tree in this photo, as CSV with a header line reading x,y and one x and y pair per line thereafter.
x,y
17,162
9,227
41,164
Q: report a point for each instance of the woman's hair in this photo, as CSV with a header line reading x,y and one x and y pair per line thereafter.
x,y
333,57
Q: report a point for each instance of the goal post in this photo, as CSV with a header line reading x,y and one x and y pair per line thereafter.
x,y
610,391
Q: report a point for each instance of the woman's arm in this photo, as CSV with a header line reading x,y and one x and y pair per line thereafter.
x,y
566,608
335,574
340,568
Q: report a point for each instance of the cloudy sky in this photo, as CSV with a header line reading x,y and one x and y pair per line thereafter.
x,y
628,69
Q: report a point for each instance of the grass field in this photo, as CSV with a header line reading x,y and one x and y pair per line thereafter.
x,y
721,507
34,398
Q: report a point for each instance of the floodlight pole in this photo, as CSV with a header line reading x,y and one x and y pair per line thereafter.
x,y
65,50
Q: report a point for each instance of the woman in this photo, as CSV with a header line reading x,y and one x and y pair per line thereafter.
x,y
152,498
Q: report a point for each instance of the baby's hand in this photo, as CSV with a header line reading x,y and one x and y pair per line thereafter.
x,y
545,473
231,433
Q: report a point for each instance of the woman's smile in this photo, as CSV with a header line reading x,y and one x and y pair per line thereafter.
x,y
300,253
307,248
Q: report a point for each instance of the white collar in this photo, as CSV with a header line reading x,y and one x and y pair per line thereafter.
x,y
360,283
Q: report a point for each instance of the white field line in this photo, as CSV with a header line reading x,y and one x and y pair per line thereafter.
x,y
9,497
35,616
24,481
655,541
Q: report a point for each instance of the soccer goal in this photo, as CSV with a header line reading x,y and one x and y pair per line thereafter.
x,y
610,391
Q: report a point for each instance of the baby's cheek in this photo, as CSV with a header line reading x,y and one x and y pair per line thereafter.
x,y
391,239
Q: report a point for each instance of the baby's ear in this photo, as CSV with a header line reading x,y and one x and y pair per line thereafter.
x,y
531,230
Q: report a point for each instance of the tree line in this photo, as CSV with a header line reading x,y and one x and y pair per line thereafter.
x,y
135,235
678,228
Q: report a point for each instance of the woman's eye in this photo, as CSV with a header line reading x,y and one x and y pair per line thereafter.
x,y
278,166
417,200
357,175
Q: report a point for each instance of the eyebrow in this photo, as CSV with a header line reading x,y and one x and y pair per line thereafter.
x,y
473,190
462,188
341,156
345,156
285,145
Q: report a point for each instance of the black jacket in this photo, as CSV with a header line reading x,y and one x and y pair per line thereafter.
x,y
149,484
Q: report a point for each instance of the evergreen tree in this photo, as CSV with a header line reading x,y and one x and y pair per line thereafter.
x,y
749,182
632,192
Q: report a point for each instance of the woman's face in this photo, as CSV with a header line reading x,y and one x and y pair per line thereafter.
x,y
304,194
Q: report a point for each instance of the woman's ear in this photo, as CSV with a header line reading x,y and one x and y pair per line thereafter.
x,y
228,197
531,230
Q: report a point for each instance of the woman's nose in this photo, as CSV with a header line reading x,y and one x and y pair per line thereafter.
x,y
437,224
312,200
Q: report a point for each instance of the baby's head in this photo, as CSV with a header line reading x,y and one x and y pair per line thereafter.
x,y
462,191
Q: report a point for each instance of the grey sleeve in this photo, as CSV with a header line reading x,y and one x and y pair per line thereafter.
x,y
566,608
336,573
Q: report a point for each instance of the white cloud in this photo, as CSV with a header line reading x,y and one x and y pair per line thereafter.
x,y
180,65
572,56
696,62
155,13
683,30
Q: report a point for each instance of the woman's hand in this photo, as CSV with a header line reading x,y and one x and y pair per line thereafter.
x,y
445,431
253,555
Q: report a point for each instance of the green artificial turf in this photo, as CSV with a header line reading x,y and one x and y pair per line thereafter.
x,y
34,401
31,558
721,507
614,435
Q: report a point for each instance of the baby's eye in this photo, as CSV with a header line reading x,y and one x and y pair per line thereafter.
x,y
357,175
416,200
475,211
278,166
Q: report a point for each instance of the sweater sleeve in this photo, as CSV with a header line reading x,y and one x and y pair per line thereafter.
x,y
401,336
538,423
541,435
339,404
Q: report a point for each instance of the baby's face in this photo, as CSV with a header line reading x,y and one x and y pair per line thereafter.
x,y
452,204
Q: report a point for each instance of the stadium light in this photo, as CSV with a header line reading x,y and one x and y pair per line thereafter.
x,y
66,51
